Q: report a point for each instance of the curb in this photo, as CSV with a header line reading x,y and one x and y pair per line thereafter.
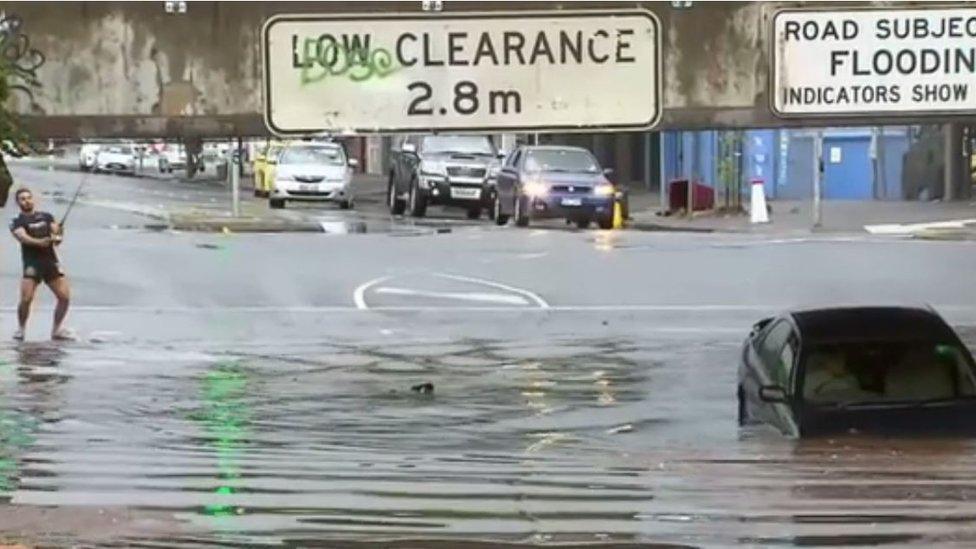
x,y
240,225
945,234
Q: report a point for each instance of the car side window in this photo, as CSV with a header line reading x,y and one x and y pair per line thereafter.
x,y
778,353
515,161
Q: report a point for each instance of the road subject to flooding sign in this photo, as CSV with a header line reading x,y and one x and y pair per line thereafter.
x,y
472,72
865,61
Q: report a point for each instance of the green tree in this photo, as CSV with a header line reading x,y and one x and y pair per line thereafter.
x,y
18,65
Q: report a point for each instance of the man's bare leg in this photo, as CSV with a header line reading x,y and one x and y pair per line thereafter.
x,y
28,287
62,291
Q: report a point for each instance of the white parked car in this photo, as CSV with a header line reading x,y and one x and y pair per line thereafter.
x,y
310,172
116,159
87,156
172,157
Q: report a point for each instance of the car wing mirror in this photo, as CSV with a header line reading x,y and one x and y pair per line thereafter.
x,y
608,172
353,162
758,327
408,148
772,394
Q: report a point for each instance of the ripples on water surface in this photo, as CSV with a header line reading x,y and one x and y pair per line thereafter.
x,y
593,441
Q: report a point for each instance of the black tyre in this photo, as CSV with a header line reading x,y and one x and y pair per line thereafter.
x,y
500,218
583,223
521,212
474,213
397,206
743,412
276,203
605,222
346,205
418,200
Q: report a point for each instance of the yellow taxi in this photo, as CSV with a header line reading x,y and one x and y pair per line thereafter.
x,y
264,166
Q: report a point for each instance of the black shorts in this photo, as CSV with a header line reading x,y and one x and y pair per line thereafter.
x,y
45,271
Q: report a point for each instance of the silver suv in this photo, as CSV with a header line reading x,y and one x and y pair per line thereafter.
x,y
445,170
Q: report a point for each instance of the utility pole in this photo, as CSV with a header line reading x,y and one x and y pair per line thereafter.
x,y
952,158
235,179
694,174
818,168
882,175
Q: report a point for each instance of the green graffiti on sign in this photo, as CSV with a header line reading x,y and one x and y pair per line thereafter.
x,y
319,62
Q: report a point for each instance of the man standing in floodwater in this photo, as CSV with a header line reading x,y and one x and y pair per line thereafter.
x,y
38,234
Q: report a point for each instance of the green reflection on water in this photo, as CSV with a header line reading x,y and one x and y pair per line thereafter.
x,y
16,432
225,415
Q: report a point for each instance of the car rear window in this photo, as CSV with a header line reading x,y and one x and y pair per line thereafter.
x,y
558,160
312,155
886,372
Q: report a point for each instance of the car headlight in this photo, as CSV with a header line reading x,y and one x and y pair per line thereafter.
x,y
433,170
603,190
535,189
493,171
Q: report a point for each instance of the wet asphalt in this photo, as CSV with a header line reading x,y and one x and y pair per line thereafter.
x,y
483,383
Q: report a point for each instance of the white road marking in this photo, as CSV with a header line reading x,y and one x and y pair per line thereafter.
x,y
909,228
465,296
359,293
532,296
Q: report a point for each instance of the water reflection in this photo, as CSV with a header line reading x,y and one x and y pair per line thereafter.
x,y
31,394
225,416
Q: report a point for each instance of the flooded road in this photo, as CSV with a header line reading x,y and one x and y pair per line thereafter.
x,y
576,441
236,390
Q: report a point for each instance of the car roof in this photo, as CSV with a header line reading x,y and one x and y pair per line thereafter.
x,y
554,148
314,145
886,323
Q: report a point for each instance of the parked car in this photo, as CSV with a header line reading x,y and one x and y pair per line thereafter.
x,y
172,157
547,182
117,158
308,171
867,369
87,156
263,165
444,170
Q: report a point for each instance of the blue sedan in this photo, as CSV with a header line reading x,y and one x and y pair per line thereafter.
x,y
553,182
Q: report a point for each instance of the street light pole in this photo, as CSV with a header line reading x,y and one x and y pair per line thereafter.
x,y
235,180
818,167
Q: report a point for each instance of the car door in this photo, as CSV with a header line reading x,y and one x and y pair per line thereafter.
x,y
396,164
411,161
269,168
260,162
508,180
774,356
403,166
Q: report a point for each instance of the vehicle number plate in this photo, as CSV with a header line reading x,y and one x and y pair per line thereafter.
x,y
460,192
572,202
308,188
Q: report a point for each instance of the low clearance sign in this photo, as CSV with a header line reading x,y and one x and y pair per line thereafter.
x,y
870,61
527,71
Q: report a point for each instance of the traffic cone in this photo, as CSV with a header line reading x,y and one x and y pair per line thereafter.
x,y
618,215
758,211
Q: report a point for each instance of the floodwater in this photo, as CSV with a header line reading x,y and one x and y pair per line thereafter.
x,y
554,441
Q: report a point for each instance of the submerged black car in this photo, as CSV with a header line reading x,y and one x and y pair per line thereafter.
x,y
861,369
